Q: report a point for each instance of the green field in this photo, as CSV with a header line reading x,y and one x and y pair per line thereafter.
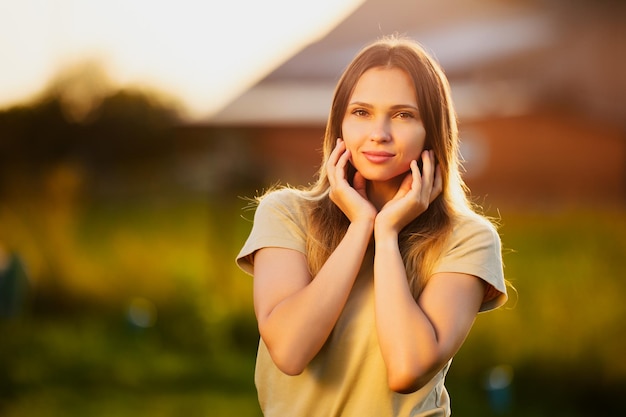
x,y
137,308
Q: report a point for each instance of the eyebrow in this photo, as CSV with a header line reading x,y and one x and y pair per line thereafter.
x,y
394,107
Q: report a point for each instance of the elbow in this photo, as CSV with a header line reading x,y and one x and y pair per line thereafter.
x,y
286,354
408,378
290,368
405,382
286,361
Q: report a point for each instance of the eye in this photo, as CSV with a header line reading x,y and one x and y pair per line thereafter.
x,y
405,115
360,112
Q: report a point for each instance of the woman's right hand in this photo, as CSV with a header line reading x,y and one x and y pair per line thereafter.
x,y
351,200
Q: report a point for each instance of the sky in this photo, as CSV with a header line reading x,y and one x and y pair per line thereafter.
x,y
202,52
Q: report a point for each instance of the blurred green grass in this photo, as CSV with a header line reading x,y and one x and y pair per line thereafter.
x,y
74,350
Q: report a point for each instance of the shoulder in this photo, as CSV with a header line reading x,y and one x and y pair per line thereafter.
x,y
279,221
474,248
280,196
285,200
285,204
473,228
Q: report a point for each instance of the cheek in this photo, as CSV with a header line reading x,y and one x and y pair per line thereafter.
x,y
349,136
346,130
417,144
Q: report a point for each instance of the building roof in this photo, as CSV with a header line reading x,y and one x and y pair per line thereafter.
x,y
502,58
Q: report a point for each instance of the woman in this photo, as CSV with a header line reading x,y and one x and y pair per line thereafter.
x,y
367,283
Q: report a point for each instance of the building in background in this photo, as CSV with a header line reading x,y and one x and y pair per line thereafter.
x,y
539,87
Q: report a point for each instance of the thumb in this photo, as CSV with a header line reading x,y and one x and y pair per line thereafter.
x,y
405,185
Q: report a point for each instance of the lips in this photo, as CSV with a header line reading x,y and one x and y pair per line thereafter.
x,y
378,157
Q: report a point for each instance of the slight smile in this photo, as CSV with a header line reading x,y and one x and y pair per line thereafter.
x,y
378,157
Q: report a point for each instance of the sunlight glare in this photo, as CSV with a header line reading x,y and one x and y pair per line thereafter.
x,y
205,53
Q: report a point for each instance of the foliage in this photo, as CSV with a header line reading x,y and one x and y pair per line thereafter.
x,y
561,330
84,354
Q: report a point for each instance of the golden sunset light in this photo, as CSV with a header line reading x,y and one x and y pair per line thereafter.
x,y
204,53
151,149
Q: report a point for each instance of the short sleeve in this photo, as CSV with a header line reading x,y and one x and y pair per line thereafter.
x,y
474,248
279,221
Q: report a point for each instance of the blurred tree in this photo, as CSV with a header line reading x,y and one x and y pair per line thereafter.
x,y
80,119
127,124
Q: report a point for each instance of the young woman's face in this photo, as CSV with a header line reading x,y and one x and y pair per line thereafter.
x,y
382,126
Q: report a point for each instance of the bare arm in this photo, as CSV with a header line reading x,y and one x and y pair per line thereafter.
x,y
296,313
418,339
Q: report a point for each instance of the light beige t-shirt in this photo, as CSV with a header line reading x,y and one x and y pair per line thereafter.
x,y
348,376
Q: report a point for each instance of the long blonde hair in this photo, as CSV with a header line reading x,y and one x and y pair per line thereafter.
x,y
421,241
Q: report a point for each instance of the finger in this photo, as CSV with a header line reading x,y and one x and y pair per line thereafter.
x,y
339,172
415,178
333,158
428,174
336,153
428,165
407,185
344,157
437,185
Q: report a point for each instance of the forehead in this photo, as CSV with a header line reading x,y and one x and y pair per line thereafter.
x,y
384,84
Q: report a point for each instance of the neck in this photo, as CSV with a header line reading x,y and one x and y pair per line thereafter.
x,y
379,193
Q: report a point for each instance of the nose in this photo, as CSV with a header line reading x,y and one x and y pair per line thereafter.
x,y
381,131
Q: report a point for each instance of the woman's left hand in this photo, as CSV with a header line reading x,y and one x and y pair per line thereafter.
x,y
415,194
